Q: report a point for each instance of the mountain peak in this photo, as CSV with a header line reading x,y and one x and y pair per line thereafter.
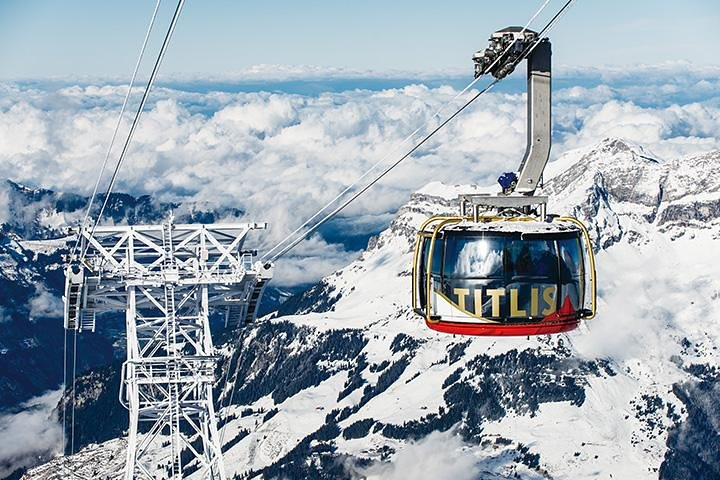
x,y
616,145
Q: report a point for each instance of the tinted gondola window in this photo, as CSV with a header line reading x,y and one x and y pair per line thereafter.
x,y
532,258
531,278
570,258
437,256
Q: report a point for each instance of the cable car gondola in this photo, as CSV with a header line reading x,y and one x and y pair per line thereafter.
x,y
503,266
503,276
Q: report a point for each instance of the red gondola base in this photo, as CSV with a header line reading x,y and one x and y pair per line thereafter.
x,y
563,320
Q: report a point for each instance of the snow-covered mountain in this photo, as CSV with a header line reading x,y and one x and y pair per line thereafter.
x,y
346,382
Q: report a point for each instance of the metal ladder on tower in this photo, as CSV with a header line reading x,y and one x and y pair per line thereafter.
x,y
87,312
87,319
174,350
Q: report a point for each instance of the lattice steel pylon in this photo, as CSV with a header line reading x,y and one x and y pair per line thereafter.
x,y
167,278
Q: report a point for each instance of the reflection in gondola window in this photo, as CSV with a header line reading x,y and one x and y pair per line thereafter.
x,y
474,257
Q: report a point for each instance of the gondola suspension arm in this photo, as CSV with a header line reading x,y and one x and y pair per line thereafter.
x,y
539,131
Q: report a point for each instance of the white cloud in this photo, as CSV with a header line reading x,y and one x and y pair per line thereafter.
x,y
30,433
280,156
45,304
670,131
439,456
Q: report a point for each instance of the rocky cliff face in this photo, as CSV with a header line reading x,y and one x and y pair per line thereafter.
x,y
348,383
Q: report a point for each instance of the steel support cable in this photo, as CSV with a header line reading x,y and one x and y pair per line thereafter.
x,y
403,142
97,185
548,26
397,162
72,416
227,403
133,127
118,122
329,216
62,395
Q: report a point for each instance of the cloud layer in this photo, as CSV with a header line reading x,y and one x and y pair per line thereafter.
x,y
439,455
30,433
280,156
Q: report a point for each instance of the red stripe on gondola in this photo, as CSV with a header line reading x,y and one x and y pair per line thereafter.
x,y
504,330
560,321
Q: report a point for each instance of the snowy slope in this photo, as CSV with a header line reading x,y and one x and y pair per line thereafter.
x,y
353,384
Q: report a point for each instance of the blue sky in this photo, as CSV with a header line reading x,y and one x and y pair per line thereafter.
x,y
43,38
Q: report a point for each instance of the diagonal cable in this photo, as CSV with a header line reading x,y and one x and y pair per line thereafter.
x,y
403,142
141,107
338,209
117,124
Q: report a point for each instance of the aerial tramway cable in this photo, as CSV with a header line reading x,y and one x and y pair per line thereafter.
x,y
118,122
148,87
138,113
403,142
287,248
387,170
267,258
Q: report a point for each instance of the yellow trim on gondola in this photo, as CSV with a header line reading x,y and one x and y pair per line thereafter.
x,y
428,272
591,256
421,234
416,253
